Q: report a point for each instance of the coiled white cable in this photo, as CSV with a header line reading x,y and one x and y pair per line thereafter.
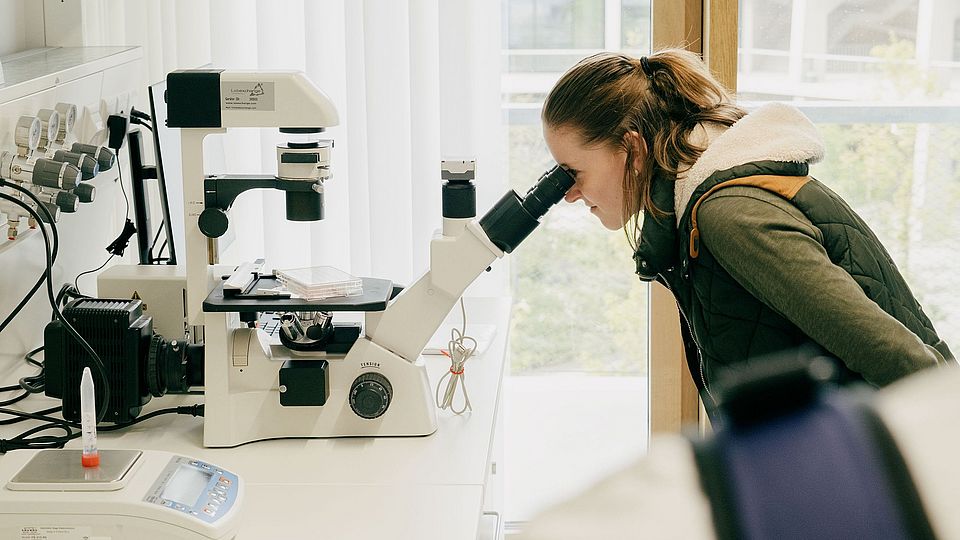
x,y
459,349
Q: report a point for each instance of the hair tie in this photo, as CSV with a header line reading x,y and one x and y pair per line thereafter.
x,y
645,65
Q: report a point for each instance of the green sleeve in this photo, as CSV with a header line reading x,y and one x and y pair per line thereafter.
x,y
775,253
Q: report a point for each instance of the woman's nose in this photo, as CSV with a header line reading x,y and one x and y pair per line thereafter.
x,y
573,194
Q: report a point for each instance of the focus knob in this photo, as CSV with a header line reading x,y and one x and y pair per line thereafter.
x,y
370,395
213,222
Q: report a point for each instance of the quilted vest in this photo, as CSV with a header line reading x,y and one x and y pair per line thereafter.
x,y
725,324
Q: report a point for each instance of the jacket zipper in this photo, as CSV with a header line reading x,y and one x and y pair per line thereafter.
x,y
696,342
693,334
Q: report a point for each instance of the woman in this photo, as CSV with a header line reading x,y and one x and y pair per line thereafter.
x,y
760,256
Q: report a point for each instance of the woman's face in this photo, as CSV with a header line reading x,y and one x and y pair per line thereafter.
x,y
598,171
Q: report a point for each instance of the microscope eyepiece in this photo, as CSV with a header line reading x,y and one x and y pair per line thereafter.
x,y
512,219
549,189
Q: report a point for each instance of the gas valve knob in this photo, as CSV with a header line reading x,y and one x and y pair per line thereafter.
x,y
55,174
85,192
52,209
85,162
67,201
105,157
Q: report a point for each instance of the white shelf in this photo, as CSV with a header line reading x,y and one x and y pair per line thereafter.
x,y
36,70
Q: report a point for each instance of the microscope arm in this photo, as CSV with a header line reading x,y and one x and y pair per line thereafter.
x,y
221,191
407,324
412,318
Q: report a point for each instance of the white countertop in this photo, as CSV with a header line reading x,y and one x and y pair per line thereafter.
x,y
404,487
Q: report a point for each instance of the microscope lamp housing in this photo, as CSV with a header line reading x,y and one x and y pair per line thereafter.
x,y
215,98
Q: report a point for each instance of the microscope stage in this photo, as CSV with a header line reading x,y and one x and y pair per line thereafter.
x,y
376,294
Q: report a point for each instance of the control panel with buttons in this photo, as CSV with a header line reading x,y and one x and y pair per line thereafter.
x,y
196,488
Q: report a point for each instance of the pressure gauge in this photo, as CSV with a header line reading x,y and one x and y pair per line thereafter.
x,y
49,125
68,119
27,133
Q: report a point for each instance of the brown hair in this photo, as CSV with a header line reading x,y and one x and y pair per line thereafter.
x,y
663,97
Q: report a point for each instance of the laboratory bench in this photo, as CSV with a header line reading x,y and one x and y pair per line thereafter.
x,y
444,486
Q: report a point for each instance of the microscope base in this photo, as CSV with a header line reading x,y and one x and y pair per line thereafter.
x,y
242,391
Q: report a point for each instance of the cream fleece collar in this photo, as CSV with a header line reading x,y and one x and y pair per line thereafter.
x,y
772,132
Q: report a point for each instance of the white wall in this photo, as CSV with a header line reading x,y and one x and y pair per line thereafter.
x,y
21,25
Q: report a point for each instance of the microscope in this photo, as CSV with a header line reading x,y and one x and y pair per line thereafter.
x,y
364,381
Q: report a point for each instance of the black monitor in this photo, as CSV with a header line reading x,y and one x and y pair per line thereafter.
x,y
166,145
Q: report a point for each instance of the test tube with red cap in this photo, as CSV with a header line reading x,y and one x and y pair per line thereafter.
x,y
88,421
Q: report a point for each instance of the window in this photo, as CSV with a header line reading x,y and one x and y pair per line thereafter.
x,y
956,40
894,144
576,399
545,35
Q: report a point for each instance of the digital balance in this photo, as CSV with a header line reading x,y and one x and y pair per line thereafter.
x,y
133,494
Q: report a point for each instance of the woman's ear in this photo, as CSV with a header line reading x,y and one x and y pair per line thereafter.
x,y
635,142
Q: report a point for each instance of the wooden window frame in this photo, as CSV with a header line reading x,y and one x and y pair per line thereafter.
x,y
707,27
